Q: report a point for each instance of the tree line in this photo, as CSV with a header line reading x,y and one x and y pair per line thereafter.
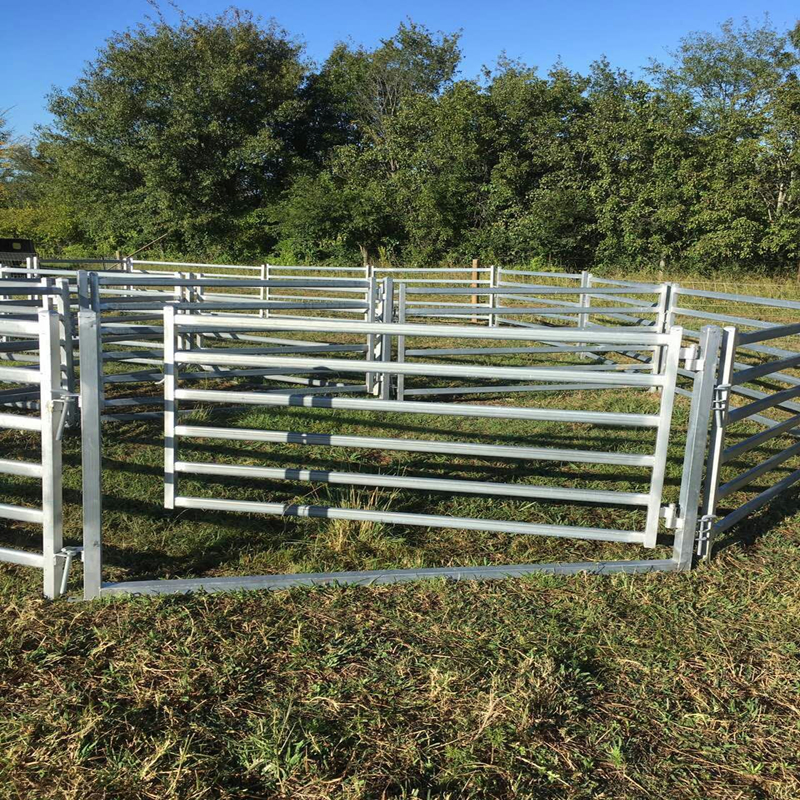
x,y
218,135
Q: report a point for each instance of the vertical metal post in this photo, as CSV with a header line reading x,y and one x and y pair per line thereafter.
x,y
264,293
721,403
401,340
474,297
91,373
696,443
662,323
493,281
169,407
386,338
52,522
84,302
662,436
62,303
583,299
371,315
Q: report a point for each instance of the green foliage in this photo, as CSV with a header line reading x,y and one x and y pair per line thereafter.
x,y
216,132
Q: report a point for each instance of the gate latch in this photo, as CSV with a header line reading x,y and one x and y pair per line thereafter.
x,y
69,405
704,535
68,554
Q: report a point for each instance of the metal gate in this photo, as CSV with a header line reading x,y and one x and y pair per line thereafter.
x,y
179,327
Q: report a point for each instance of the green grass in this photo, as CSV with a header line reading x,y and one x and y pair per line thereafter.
x,y
648,686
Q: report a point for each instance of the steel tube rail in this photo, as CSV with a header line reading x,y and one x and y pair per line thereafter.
x,y
708,315
437,409
756,440
399,518
382,577
757,502
511,389
424,484
760,370
441,370
516,288
21,513
13,327
19,375
775,332
418,445
21,557
630,336
560,275
536,311
767,401
26,469
253,283
740,298
755,472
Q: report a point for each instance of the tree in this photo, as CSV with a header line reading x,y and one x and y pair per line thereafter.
x,y
741,83
356,101
185,129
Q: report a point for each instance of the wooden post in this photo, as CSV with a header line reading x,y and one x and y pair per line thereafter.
x,y
474,301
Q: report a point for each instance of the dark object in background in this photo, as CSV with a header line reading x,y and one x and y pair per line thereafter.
x,y
13,252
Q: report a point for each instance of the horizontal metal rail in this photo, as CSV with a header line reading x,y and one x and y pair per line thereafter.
x,y
431,369
767,401
127,279
19,375
21,557
509,389
417,483
508,288
627,336
472,449
25,469
757,502
609,418
382,577
535,311
775,332
760,370
424,520
736,451
739,298
21,513
755,472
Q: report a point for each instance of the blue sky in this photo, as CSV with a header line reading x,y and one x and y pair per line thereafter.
x,y
47,42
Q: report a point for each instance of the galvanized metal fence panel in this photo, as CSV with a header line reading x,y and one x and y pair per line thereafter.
x,y
178,325
732,377
46,376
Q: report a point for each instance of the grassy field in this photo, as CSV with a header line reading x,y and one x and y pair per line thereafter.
x,y
649,686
